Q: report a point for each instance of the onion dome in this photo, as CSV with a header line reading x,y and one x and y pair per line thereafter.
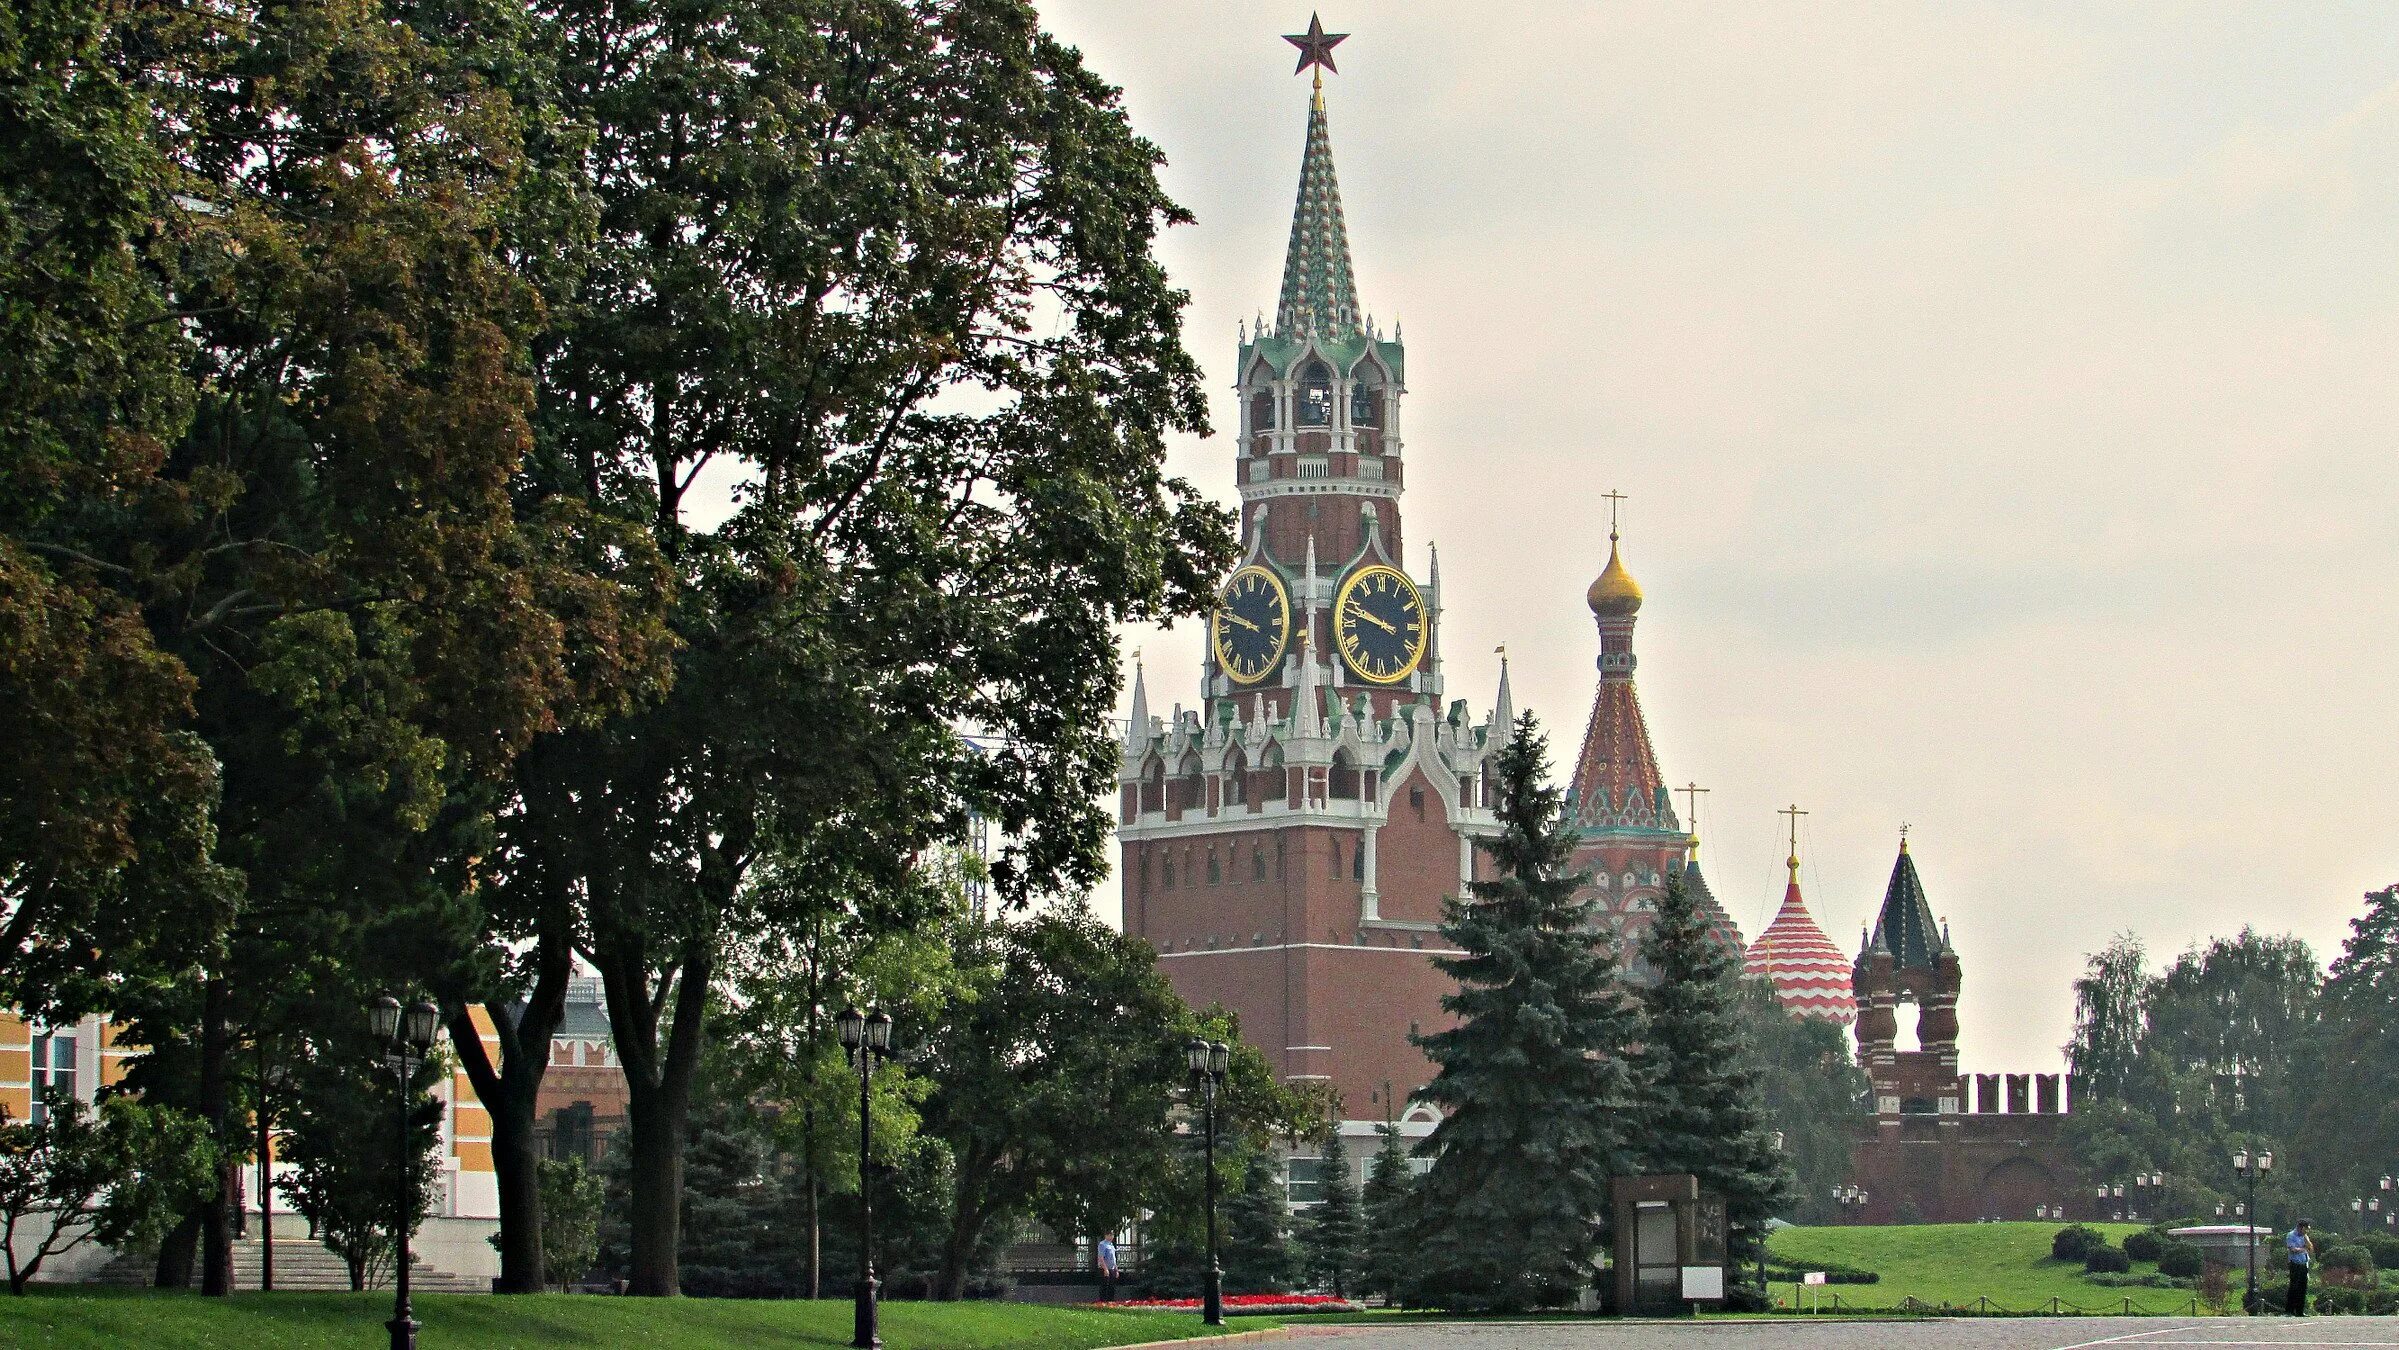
x,y
1615,595
1811,976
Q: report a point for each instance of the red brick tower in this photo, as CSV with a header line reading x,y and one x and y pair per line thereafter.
x,y
1631,837
1929,1154
1287,844
1908,959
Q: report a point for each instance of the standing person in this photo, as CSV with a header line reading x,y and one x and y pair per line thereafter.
x,y
1105,1253
2302,1249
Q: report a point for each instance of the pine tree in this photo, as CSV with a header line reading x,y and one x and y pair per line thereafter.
x,y
1534,1080
1388,1251
1703,1102
1334,1228
1257,1232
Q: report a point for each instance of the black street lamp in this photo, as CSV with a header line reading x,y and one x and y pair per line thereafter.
x,y
407,1035
1208,1062
867,1036
2248,1168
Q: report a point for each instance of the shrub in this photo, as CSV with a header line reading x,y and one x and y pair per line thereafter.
x,y
2143,1246
2106,1260
2215,1287
2354,1256
2385,1248
2336,1300
2075,1241
2178,1258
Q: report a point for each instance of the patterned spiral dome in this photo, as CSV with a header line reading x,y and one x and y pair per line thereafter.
x,y
1810,975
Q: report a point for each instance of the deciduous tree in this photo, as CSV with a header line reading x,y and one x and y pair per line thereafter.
x,y
888,267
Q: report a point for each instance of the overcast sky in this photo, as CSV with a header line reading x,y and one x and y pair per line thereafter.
x,y
2006,395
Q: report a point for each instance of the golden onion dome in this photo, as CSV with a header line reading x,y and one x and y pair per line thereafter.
x,y
1615,595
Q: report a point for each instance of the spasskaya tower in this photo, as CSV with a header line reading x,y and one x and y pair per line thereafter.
x,y
1287,842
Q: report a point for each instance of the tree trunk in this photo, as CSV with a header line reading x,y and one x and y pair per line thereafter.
x,y
967,1215
510,1092
216,1104
175,1253
657,1217
516,1170
658,1092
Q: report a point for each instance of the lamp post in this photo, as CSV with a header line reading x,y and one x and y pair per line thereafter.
x,y
2247,1168
1852,1202
407,1034
1764,1288
1208,1062
867,1038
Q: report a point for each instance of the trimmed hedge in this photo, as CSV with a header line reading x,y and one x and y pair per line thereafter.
x,y
2144,1245
2104,1260
1834,1273
2349,1256
2180,1259
2075,1241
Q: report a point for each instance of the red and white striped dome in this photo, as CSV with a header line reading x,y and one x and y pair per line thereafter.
x,y
1810,975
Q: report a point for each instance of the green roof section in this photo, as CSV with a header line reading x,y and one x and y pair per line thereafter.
x,y
1906,927
1320,293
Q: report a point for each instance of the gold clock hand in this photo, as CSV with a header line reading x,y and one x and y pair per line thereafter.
x,y
1242,621
1370,617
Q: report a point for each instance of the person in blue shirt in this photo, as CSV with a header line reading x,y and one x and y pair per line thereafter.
x,y
2302,1250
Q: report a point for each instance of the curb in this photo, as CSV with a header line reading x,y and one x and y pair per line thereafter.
x,y
1229,1338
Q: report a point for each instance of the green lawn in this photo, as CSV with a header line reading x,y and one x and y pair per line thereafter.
x,y
104,1320
1958,1263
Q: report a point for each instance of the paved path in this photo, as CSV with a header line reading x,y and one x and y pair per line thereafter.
x,y
2029,1333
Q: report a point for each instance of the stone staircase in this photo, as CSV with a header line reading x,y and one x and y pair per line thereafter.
x,y
299,1265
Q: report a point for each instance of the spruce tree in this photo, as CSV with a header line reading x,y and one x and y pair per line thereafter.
x,y
1387,1257
1334,1227
1703,1108
1258,1258
1534,1081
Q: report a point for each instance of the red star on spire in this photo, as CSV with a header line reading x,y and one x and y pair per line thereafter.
x,y
1315,46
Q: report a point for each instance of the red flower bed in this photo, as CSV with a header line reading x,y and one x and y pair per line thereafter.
x,y
1247,1302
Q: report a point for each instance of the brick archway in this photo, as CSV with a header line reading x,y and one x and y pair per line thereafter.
x,y
2016,1188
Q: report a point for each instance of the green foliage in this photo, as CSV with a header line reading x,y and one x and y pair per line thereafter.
x,y
116,1175
349,1163
1390,1250
1056,1070
741,1200
2177,1257
2105,1260
2216,1052
816,227
1335,1228
1814,1093
2349,1256
570,1220
2076,1241
2352,1125
1534,1080
1702,1108
2144,1245
1259,1257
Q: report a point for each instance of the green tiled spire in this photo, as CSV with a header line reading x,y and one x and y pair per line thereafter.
x,y
1906,926
1320,295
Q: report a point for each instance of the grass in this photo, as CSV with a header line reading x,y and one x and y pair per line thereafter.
x,y
93,1319
1958,1263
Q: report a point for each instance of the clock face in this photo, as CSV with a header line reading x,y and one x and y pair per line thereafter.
x,y
1252,624
1378,622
